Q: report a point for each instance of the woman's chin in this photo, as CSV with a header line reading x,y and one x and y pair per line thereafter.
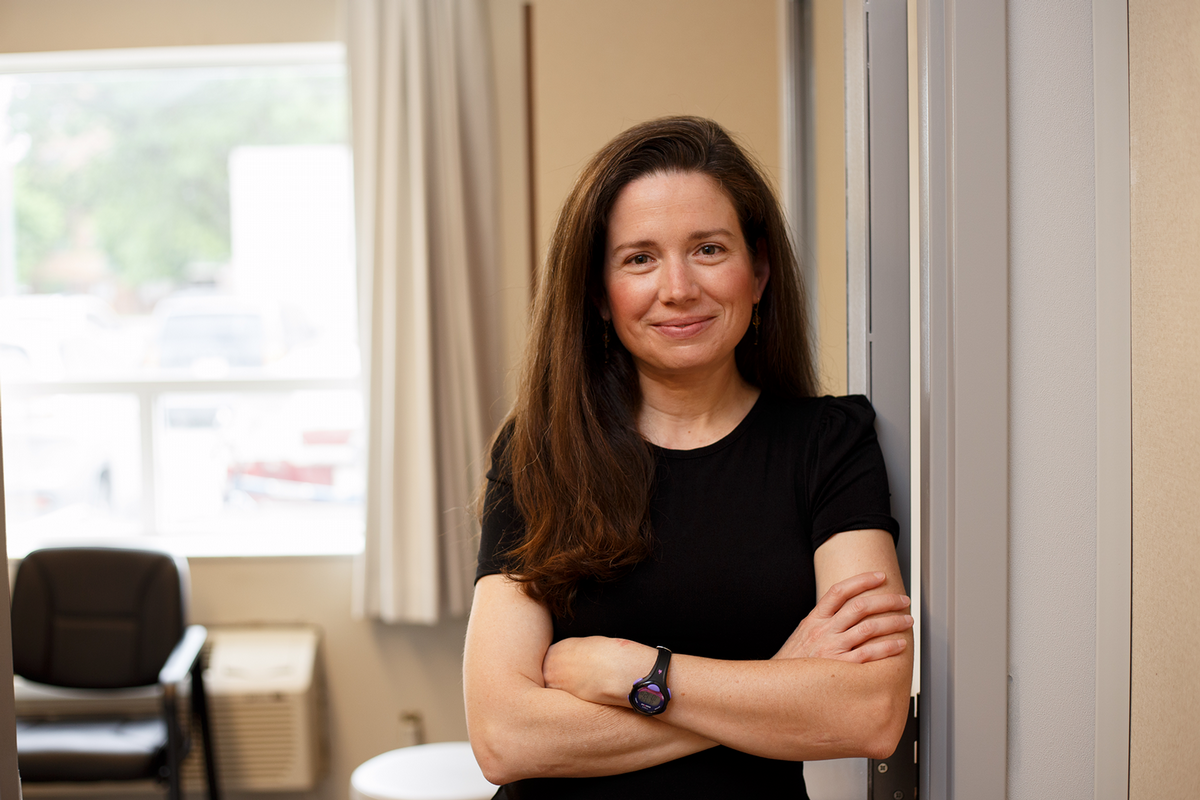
x,y
679,365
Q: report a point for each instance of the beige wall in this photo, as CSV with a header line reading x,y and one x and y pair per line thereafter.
x,y
1164,90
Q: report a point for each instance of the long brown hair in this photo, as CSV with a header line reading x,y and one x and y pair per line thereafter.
x,y
581,473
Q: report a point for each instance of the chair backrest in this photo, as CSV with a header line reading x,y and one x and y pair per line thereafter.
x,y
97,617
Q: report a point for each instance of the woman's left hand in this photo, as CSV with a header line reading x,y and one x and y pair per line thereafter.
x,y
851,624
596,668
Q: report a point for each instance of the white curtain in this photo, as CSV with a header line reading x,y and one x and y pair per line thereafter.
x,y
425,206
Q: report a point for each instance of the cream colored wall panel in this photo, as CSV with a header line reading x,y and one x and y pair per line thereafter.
x,y
49,25
1164,74
603,65
506,18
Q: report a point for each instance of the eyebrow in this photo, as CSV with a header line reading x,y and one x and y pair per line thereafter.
x,y
695,236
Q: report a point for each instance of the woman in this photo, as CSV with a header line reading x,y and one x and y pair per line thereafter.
x,y
668,482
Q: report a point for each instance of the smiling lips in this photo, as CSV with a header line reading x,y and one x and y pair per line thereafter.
x,y
683,327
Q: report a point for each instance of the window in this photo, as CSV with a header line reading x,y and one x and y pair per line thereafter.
x,y
178,331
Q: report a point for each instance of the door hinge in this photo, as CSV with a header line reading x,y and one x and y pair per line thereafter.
x,y
895,777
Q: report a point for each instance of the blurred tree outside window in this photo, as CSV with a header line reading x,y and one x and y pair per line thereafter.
x,y
178,303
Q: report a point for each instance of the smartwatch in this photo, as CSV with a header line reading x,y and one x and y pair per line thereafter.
x,y
650,695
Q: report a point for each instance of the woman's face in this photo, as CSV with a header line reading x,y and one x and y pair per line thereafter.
x,y
679,278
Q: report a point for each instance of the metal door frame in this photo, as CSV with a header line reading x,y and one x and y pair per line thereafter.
x,y
959,335
963,109
881,281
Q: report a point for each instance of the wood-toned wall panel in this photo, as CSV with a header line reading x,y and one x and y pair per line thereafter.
x,y
1164,74
827,240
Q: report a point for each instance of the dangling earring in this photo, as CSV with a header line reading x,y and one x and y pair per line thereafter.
x,y
606,325
755,320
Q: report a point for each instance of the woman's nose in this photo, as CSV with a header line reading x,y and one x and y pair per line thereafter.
x,y
678,282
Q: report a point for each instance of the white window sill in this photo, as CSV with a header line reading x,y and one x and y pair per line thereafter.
x,y
223,546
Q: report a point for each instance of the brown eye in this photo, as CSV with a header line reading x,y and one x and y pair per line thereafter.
x,y
709,250
640,258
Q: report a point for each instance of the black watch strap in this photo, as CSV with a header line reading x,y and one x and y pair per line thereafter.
x,y
650,695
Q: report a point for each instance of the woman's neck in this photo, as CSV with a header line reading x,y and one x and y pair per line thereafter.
x,y
683,414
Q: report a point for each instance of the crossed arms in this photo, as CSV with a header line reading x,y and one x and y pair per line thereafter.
x,y
838,687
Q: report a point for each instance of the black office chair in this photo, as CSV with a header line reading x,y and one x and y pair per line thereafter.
x,y
108,618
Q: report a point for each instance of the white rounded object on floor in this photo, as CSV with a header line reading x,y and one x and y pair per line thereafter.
x,y
440,771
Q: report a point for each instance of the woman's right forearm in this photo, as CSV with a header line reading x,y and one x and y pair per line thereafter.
x,y
521,729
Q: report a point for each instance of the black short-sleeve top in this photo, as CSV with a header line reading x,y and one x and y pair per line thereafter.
x,y
735,525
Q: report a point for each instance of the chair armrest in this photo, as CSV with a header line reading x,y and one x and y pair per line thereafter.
x,y
184,656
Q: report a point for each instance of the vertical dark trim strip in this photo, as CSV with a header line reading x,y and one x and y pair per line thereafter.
x,y
531,145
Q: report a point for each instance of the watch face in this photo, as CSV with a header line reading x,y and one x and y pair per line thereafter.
x,y
649,696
